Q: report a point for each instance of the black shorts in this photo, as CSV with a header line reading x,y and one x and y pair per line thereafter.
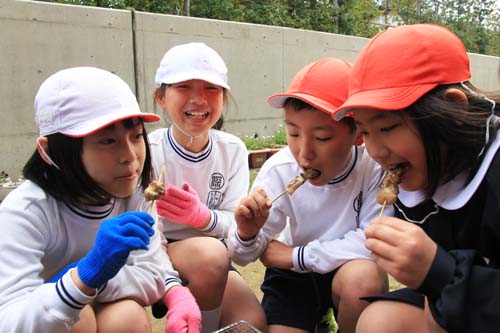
x,y
404,295
297,300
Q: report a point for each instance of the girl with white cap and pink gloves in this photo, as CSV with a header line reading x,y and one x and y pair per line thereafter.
x,y
206,174
76,252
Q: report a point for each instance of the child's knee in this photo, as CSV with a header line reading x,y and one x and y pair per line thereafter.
x,y
389,317
359,278
123,316
87,322
212,260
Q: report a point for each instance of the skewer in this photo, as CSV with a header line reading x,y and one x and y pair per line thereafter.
x,y
279,196
162,171
297,182
383,207
160,178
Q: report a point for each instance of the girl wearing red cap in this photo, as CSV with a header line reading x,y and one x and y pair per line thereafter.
x,y
206,174
417,111
76,254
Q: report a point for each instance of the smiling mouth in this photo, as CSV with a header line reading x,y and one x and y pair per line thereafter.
x,y
197,115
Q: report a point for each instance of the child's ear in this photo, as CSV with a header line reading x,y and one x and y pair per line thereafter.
x,y
359,139
458,96
42,147
455,95
159,98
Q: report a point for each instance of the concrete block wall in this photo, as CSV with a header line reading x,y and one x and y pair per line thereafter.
x,y
38,39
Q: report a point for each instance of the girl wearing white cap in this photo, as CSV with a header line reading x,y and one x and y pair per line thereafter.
x,y
206,175
72,257
418,112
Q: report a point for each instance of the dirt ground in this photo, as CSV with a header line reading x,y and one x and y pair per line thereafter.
x,y
253,273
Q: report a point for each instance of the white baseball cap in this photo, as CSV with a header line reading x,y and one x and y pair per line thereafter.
x,y
189,62
82,100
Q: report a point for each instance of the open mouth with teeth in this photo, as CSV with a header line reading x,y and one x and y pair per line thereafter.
x,y
196,115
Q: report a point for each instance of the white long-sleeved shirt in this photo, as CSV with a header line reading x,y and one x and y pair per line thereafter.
x,y
41,236
324,223
219,174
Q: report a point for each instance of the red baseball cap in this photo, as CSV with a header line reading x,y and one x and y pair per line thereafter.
x,y
322,84
400,65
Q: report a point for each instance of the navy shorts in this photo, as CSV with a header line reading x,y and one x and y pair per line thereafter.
x,y
404,295
297,300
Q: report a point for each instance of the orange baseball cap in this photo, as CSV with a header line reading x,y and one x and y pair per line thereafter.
x,y
400,65
322,84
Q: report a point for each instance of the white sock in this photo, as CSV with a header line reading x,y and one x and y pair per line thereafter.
x,y
210,320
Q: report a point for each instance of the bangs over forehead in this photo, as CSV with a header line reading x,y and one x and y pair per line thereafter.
x,y
128,123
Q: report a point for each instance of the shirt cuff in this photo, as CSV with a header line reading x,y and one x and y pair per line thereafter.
x,y
247,242
440,274
298,258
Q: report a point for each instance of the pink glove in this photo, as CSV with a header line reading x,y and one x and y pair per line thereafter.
x,y
183,314
183,206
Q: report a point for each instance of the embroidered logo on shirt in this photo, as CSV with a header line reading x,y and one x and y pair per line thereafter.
x,y
214,199
216,181
356,205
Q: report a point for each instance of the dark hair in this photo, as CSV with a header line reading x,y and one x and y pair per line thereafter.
x,y
73,185
298,104
219,124
459,127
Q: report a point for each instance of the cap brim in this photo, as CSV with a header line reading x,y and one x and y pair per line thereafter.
x,y
277,100
214,79
103,122
397,98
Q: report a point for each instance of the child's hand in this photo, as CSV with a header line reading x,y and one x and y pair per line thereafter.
x,y
277,255
183,312
183,206
401,248
115,239
252,213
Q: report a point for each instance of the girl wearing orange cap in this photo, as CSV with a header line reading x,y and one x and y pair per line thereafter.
x,y
413,102
206,175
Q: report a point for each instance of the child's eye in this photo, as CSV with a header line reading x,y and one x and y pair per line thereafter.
x,y
324,139
139,136
107,141
214,88
293,135
388,128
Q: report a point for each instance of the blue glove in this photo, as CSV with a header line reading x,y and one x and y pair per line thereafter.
x,y
115,239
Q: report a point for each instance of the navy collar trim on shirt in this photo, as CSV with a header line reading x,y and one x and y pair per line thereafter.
x,y
187,155
94,212
348,170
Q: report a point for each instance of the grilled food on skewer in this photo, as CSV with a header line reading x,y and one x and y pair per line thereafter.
x,y
389,188
297,182
155,190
